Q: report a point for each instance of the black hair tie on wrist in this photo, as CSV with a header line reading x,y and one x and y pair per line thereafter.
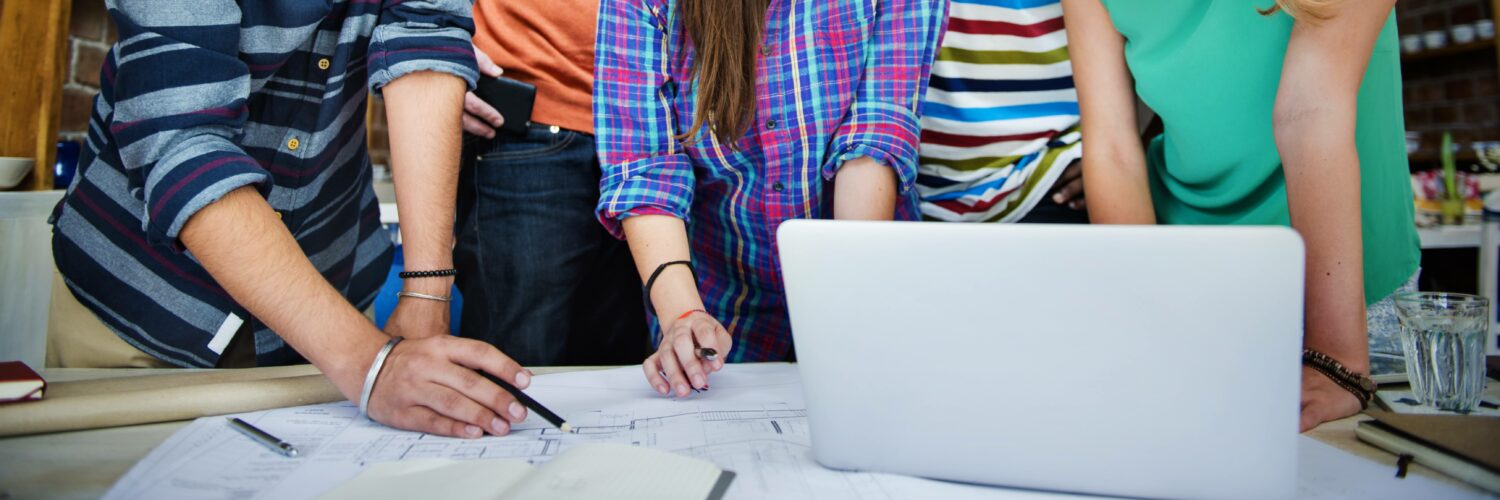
x,y
428,274
651,282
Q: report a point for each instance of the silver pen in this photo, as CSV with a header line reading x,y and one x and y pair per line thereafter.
x,y
274,443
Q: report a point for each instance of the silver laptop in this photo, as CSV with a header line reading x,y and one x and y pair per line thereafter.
x,y
1140,361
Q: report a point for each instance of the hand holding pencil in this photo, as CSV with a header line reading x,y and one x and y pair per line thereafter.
x,y
693,346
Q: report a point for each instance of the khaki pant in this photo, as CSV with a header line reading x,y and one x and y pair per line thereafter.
x,y
77,339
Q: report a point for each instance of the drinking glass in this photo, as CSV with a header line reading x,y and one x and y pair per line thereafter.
x,y
1443,337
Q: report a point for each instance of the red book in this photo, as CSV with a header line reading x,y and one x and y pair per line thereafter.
x,y
19,383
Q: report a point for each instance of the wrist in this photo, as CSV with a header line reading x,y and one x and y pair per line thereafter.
x,y
348,368
441,286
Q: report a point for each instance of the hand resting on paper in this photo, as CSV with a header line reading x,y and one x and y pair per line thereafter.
x,y
677,356
429,385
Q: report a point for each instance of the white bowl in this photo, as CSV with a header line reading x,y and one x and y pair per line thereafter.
x,y
1435,39
1411,44
13,170
1463,33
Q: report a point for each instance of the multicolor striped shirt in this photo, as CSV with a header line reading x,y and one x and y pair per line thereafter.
x,y
1001,120
202,97
836,80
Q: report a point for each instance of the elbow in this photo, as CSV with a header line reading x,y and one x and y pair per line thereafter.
x,y
1313,128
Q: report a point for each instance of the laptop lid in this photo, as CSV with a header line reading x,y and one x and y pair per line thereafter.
x,y
1150,361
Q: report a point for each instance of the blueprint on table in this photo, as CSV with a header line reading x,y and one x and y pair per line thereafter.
x,y
752,422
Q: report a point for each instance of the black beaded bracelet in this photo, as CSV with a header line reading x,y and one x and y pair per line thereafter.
x,y
428,274
1361,386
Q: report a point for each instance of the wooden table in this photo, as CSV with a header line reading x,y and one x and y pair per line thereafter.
x,y
84,464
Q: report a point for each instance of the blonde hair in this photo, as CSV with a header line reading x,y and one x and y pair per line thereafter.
x,y
1304,10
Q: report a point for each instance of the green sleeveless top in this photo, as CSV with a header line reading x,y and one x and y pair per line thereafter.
x,y
1210,69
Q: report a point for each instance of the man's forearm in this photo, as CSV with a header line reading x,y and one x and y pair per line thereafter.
x,y
424,112
248,251
864,190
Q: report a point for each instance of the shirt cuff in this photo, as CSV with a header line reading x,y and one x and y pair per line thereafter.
x,y
187,187
661,185
886,133
398,51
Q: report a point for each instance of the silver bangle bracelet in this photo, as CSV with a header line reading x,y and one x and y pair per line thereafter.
x,y
416,295
374,373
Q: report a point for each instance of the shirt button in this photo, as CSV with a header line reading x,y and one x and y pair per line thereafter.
x,y
771,124
323,63
278,215
765,50
778,187
293,144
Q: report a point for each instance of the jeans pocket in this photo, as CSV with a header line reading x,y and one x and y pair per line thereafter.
x,y
536,143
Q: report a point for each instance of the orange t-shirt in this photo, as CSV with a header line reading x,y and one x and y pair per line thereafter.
x,y
549,44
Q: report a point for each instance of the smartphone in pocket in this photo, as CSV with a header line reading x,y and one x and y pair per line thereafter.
x,y
513,99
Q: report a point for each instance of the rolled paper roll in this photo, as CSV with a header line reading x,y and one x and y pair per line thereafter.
x,y
70,406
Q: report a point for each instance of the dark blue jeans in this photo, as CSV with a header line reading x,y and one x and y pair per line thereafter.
x,y
541,278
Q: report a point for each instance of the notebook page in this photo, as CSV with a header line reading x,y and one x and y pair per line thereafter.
x,y
434,478
622,472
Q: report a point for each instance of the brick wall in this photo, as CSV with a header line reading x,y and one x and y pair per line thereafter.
x,y
1457,92
90,34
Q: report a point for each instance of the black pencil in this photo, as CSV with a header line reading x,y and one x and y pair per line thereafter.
x,y
526,401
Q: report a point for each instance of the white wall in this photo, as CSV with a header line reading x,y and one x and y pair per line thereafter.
x,y
25,274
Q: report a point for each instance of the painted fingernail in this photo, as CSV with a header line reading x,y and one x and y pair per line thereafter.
x,y
516,410
522,380
472,431
499,426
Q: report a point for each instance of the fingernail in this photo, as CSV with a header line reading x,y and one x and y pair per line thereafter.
x,y
516,410
661,389
1057,198
698,381
499,426
522,380
682,390
472,431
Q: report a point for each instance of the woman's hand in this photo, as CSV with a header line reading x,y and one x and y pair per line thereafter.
x,y
1323,400
677,359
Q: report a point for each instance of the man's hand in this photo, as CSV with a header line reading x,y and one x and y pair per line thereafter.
x,y
1323,400
1068,190
480,118
429,385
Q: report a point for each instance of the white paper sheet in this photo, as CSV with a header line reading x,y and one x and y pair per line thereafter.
x,y
752,422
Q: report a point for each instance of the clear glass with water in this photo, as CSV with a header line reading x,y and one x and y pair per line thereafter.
x,y
1443,337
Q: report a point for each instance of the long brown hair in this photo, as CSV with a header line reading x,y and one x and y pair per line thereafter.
x,y
1305,10
726,36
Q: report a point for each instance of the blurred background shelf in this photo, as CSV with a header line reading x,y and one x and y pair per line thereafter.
x,y
1425,55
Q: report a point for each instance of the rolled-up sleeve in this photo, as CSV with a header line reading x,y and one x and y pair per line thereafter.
x,y
180,91
883,123
428,35
645,171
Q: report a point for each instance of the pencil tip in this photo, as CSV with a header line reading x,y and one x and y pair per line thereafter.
x,y
567,428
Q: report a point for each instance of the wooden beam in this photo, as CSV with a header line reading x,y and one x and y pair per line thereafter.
x,y
33,53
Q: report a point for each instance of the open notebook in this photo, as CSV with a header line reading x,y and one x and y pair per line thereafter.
x,y
612,471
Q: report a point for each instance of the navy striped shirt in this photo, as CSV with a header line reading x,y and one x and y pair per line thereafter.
x,y
201,97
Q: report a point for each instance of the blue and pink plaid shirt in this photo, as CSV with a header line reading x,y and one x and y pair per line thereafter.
x,y
837,80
